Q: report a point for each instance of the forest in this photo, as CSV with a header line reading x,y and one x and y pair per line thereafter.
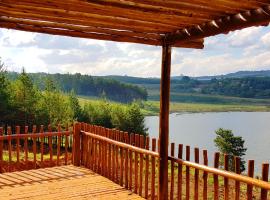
x,y
257,87
22,102
88,86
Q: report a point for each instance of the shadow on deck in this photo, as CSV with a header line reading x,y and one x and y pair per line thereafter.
x,y
65,182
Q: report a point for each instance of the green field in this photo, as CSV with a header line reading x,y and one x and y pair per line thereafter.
x,y
152,107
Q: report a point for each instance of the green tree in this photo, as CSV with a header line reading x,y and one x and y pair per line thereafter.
x,y
231,145
75,106
25,97
56,106
129,119
4,95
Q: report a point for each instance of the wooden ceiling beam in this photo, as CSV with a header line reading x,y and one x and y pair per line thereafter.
x,y
17,13
146,12
87,16
65,32
80,28
256,17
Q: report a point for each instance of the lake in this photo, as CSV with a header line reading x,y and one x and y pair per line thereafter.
x,y
198,130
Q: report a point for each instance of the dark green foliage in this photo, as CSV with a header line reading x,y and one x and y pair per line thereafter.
x,y
250,87
231,145
125,118
91,86
22,103
24,98
4,95
98,114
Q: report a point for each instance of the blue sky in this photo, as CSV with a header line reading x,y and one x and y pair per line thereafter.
x,y
248,49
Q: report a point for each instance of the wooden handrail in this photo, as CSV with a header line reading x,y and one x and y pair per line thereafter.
x,y
120,144
223,173
34,135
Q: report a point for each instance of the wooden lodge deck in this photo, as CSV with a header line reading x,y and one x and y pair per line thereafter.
x,y
111,164
64,182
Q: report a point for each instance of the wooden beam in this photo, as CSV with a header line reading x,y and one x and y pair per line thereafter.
x,y
145,12
246,19
164,122
63,32
81,28
88,16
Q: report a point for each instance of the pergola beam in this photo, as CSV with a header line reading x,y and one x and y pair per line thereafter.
x,y
246,19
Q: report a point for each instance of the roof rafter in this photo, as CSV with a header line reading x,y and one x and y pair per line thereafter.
x,y
260,16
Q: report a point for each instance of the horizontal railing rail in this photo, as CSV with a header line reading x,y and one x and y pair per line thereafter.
x,y
34,135
22,150
223,173
121,144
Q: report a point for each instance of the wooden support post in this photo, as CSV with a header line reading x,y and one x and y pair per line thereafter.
x,y
77,145
164,121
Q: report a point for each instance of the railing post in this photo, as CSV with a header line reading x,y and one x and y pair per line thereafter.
x,y
164,121
77,144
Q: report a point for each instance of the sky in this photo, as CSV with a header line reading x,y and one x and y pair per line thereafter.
x,y
248,49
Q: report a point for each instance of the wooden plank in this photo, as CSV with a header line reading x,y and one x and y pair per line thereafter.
x,y
216,183
172,172
50,145
77,143
41,146
196,174
58,145
265,172
147,140
187,173
250,174
164,121
237,183
26,147
126,160
113,158
9,132
34,129
18,131
226,180
141,165
153,170
180,171
66,146
109,155
65,182
132,139
137,144
205,175
121,161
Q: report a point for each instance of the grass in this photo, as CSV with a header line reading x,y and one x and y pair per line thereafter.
x,y
152,107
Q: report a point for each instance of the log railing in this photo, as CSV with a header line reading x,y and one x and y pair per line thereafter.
x,y
123,158
196,180
126,159
21,149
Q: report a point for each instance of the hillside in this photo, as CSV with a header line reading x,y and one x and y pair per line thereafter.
x,y
86,85
244,85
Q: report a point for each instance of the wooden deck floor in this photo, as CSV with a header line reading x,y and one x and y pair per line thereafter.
x,y
65,182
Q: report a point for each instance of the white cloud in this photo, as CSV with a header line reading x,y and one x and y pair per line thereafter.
x,y
243,38
248,49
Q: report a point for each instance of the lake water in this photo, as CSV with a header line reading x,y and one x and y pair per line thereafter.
x,y
198,130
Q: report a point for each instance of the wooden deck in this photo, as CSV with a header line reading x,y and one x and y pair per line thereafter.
x,y
65,182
